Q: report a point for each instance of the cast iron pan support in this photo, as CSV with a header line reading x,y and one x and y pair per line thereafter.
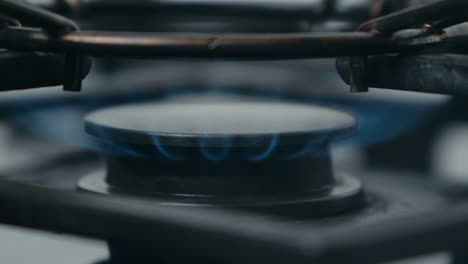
x,y
261,240
423,23
417,29
35,69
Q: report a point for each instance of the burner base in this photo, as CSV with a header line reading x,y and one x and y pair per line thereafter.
x,y
346,194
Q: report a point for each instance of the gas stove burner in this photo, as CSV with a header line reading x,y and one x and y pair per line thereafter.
x,y
261,156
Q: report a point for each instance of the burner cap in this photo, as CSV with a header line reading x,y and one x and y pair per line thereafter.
x,y
185,124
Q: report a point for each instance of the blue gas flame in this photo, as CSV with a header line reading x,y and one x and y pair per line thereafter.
x,y
265,154
313,146
379,121
168,155
216,154
125,149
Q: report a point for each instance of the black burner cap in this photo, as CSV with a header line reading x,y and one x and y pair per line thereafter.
x,y
177,124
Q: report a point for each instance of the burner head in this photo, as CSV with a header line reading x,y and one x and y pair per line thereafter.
x,y
254,155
